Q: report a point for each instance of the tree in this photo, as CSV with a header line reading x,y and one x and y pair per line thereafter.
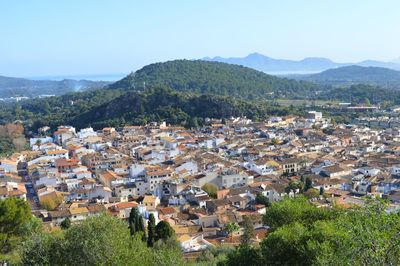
x,y
140,227
193,122
7,146
307,184
293,186
14,215
248,232
211,190
151,230
292,210
230,228
372,235
243,256
261,199
99,240
312,193
288,245
42,248
85,244
164,231
132,220
304,234
66,223
135,221
321,190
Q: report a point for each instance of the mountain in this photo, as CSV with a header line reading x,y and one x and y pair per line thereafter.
x,y
179,92
396,60
349,75
13,87
184,92
282,66
215,78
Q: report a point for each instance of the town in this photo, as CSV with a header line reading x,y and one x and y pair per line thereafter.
x,y
202,180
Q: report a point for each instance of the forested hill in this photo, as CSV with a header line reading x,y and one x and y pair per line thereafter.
x,y
349,75
176,108
214,78
13,87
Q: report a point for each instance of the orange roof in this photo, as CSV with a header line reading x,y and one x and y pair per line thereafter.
x,y
167,210
109,175
158,172
57,152
66,162
125,205
73,147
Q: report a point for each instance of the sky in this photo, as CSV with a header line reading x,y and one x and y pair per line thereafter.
x,y
94,37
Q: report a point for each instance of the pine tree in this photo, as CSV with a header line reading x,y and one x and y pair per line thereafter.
x,y
164,231
248,233
140,224
66,223
151,228
136,224
133,220
308,184
321,190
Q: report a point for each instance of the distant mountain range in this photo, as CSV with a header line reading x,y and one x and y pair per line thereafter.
x,y
20,87
350,75
308,65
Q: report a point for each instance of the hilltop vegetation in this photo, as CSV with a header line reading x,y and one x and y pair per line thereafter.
x,y
176,108
54,111
350,75
13,87
214,78
361,94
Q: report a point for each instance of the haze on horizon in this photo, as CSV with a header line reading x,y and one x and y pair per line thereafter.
x,y
45,38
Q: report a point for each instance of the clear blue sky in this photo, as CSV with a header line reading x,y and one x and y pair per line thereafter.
x,y
54,37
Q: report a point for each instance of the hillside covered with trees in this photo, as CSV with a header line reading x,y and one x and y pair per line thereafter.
x,y
182,93
350,75
362,94
13,87
176,108
116,107
214,78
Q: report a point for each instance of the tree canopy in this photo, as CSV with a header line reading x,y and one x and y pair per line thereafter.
x,y
303,234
